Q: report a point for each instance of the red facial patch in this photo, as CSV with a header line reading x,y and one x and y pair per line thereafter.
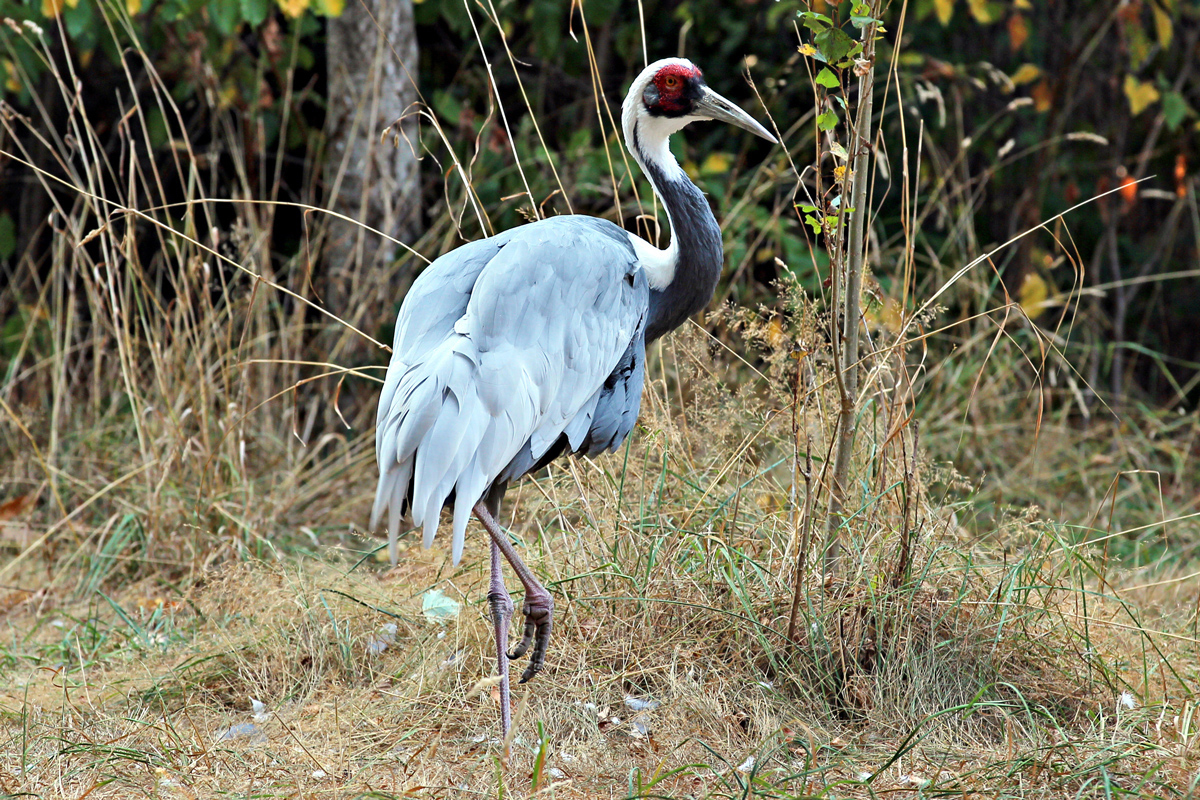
x,y
671,82
672,78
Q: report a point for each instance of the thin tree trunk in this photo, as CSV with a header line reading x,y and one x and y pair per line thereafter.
x,y
856,253
372,63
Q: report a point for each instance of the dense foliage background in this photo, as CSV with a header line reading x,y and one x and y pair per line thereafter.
x,y
1027,110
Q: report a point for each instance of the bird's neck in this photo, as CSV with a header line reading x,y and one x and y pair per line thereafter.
x,y
684,276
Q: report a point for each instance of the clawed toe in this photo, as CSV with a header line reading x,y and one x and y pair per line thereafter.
x,y
539,619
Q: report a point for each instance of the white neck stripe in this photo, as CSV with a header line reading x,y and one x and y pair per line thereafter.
x,y
647,138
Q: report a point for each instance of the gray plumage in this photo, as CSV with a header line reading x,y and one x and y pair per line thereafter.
x,y
507,352
516,349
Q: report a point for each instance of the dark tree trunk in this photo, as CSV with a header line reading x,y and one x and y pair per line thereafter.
x,y
372,58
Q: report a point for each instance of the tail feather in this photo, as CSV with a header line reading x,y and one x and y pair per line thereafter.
x,y
439,436
399,498
433,509
430,455
454,438
418,412
467,492
469,429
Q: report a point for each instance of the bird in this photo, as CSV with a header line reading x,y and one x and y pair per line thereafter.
x,y
513,350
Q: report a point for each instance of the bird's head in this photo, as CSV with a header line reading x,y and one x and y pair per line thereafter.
x,y
670,93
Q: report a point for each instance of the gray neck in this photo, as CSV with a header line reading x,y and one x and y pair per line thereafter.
x,y
698,243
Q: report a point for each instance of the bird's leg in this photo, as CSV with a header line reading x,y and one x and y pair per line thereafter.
x,y
538,607
502,611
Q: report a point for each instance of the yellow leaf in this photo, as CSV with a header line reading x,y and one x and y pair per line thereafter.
x,y
891,315
10,81
1027,73
331,8
290,8
134,7
1033,294
1137,42
775,332
981,11
769,502
715,164
1162,25
1023,5
886,314
1018,32
1141,95
1043,96
52,8
945,10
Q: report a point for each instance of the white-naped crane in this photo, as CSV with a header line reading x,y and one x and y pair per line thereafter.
x,y
513,350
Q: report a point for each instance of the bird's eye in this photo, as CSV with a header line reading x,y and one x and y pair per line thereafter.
x,y
671,82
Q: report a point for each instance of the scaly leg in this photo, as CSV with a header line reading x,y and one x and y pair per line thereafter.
x,y
538,607
502,611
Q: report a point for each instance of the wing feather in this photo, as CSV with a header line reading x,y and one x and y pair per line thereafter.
x,y
499,352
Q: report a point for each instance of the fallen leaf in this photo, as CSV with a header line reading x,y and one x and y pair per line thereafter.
x,y
10,600
437,607
11,509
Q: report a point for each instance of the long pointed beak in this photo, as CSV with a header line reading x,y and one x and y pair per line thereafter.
x,y
712,106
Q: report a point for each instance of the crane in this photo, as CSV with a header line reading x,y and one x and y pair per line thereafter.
x,y
515,349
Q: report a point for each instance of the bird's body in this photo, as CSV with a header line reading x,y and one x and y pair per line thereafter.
x,y
509,348
513,350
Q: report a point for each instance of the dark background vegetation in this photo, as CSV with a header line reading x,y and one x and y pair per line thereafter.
x,y
1009,114
1112,94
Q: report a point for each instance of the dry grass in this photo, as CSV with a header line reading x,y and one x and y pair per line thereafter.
x,y
989,674
184,479
1009,692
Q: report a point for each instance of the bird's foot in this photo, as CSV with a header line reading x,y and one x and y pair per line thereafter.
x,y
539,617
